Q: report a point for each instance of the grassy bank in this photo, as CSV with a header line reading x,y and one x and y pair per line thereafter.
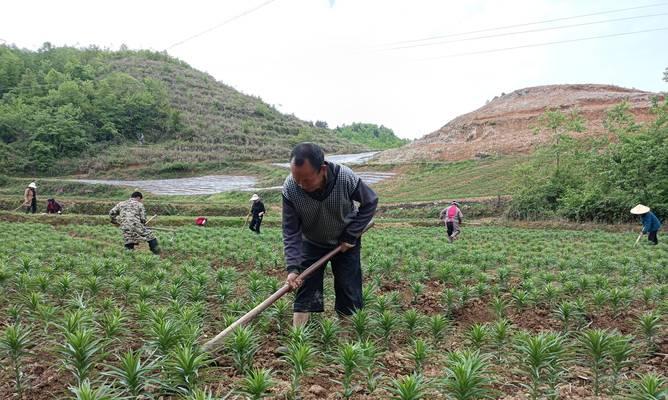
x,y
455,180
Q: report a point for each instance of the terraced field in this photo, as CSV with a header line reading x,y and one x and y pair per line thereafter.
x,y
502,313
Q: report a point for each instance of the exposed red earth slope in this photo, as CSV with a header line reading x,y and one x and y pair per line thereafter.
x,y
506,124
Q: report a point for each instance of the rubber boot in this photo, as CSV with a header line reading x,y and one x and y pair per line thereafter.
x,y
153,245
129,246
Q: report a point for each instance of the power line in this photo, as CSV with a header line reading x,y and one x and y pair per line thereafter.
x,y
527,24
546,43
227,21
525,31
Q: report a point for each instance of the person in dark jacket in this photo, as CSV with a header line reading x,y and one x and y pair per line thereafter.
x,y
258,211
30,198
650,223
53,207
324,205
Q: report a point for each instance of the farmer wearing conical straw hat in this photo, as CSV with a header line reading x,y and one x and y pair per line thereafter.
x,y
650,223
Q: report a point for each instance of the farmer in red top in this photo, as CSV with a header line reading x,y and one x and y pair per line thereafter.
x,y
452,216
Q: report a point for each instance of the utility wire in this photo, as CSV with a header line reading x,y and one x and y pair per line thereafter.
x,y
227,21
546,43
525,31
663,4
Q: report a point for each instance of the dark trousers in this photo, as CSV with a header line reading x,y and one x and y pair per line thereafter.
x,y
32,208
347,271
652,237
255,224
152,244
450,226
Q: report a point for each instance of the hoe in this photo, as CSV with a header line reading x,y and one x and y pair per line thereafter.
x,y
215,342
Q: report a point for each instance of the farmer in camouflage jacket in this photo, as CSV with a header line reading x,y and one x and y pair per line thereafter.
x,y
131,216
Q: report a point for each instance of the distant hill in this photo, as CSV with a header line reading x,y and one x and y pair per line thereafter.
x,y
66,110
505,125
371,135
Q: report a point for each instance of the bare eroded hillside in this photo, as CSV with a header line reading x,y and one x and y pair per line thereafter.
x,y
506,124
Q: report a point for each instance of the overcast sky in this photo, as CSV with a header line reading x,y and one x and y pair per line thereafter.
x,y
346,61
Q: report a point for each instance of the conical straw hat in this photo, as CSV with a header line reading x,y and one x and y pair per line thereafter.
x,y
639,209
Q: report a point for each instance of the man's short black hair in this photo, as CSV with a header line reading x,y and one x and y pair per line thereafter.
x,y
308,151
137,195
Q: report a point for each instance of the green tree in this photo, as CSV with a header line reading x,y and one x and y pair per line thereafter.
x,y
370,135
135,108
560,124
11,68
619,119
62,129
600,180
636,168
14,121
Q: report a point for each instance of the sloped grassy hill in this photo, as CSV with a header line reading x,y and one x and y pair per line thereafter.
x,y
65,110
220,123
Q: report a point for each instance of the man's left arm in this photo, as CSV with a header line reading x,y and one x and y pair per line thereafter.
x,y
113,214
645,223
368,200
142,214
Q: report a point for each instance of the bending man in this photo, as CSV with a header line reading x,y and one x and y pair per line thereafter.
x,y
320,211
131,216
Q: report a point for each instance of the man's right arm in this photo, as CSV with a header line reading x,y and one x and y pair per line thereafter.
x,y
292,236
142,214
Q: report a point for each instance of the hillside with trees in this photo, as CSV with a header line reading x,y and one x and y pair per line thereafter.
x,y
372,136
506,125
596,178
86,111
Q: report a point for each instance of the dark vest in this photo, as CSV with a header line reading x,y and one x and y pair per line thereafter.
x,y
323,221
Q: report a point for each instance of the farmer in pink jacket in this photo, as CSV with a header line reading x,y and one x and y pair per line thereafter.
x,y
452,216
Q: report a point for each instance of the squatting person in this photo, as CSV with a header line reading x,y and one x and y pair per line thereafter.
x,y
131,216
324,205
